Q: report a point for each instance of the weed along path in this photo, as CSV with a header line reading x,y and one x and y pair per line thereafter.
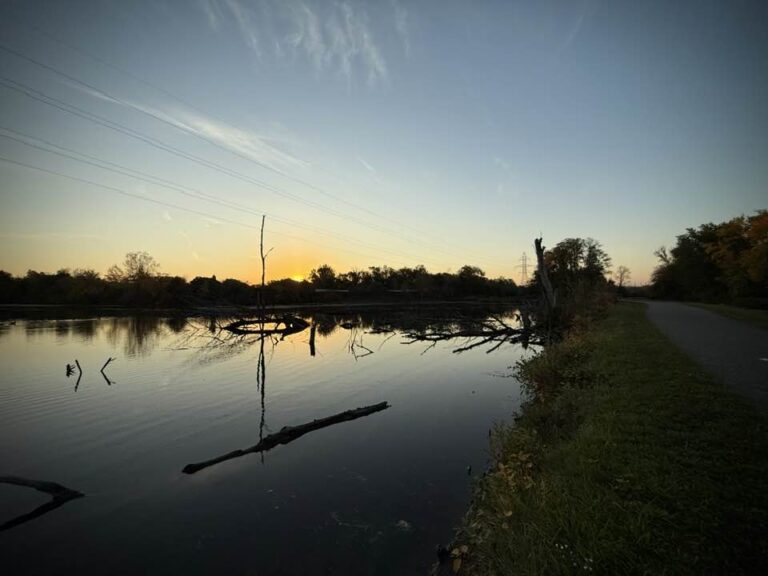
x,y
734,352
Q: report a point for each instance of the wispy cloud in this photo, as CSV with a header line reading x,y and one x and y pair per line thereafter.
x,y
586,12
243,142
192,251
256,147
402,25
211,12
366,165
501,163
335,37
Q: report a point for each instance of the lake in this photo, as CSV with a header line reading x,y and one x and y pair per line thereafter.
x,y
373,495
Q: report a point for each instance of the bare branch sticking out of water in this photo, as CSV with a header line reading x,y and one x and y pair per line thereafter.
x,y
289,434
60,495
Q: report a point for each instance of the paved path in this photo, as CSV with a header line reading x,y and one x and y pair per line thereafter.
x,y
734,352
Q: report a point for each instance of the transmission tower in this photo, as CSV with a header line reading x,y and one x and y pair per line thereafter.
x,y
524,269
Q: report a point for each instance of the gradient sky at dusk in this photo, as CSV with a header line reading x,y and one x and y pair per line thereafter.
x,y
371,133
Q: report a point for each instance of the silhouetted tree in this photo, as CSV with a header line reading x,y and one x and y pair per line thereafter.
x,y
717,262
323,277
622,275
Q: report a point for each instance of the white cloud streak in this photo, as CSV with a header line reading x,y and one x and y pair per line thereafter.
x,y
402,25
240,141
330,37
366,165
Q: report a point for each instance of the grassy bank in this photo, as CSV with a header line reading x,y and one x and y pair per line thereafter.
x,y
752,316
631,461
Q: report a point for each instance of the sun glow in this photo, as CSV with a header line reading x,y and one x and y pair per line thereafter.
x,y
297,278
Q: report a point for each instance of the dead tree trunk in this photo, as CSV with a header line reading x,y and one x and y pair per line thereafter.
x,y
263,266
549,293
550,297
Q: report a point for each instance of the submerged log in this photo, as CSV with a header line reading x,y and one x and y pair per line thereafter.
x,y
283,325
289,434
60,495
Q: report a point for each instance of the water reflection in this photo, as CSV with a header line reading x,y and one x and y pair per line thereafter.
x,y
188,393
59,494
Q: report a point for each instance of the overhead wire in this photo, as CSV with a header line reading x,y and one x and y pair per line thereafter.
x,y
40,96
103,62
182,128
115,168
162,202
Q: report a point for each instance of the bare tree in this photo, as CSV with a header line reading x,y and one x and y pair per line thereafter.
x,y
622,275
136,266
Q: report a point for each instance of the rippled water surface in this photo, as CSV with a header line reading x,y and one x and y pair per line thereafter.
x,y
370,496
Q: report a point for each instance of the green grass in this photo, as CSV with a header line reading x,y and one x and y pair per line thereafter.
x,y
632,461
752,316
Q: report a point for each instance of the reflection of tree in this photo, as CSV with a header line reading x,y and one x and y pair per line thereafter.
x,y
176,324
139,334
86,329
261,383
219,341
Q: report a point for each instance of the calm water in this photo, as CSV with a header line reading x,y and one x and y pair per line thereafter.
x,y
370,496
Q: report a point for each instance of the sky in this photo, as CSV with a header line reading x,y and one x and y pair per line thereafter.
x,y
373,133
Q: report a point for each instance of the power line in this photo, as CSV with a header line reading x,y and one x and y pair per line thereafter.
x,y
161,202
190,192
103,62
188,131
40,96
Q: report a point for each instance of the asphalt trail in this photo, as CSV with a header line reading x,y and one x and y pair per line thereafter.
x,y
733,352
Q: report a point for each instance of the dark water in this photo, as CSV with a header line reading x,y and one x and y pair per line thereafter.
x,y
370,496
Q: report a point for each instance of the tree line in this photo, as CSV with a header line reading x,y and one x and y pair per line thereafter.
x,y
137,281
725,262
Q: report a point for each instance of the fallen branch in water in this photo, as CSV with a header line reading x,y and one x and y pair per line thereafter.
x,y
494,331
60,495
291,325
289,434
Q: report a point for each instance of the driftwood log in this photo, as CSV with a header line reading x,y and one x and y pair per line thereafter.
x,y
60,495
289,434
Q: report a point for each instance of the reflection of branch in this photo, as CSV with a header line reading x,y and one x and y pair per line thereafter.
x,y
494,330
312,332
60,495
79,374
289,434
109,382
353,344
261,381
